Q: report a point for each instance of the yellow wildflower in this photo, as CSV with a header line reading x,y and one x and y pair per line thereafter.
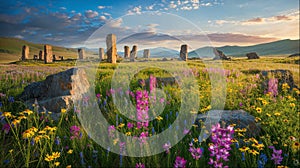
x,y
15,121
258,110
233,140
28,134
159,118
70,151
63,111
195,139
277,114
56,155
28,112
285,120
42,132
253,152
296,146
195,125
240,135
258,146
115,141
7,114
69,166
246,140
282,167
232,125
128,133
253,140
257,119
243,149
22,117
56,164
285,86
121,125
49,158
269,115
37,138
10,151
264,102
292,104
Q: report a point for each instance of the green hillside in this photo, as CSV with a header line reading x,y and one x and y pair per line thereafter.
x,y
11,49
282,47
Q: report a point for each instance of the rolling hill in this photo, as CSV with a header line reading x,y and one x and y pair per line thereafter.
x,y
282,47
11,49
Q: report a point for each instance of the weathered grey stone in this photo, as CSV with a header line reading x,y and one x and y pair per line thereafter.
x,y
252,55
241,118
184,52
25,52
48,54
126,52
111,48
61,58
133,53
101,54
41,55
220,55
283,76
81,53
58,90
146,53
294,55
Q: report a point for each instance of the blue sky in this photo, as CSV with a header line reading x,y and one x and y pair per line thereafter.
x,y
222,22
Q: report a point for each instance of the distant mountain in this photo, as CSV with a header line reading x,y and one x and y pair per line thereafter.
x,y
281,47
160,52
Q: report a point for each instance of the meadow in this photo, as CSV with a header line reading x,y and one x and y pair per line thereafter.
x,y
32,139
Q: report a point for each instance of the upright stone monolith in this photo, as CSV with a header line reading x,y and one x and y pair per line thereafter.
x,y
25,52
41,55
101,54
81,53
48,54
184,52
133,53
54,57
111,48
126,52
146,53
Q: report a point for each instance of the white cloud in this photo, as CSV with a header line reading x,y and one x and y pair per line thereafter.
x,y
102,18
115,23
63,8
172,5
135,10
19,36
91,14
103,7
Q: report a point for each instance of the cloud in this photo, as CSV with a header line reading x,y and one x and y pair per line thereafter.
x,y
152,27
19,36
63,8
103,7
135,10
91,14
102,18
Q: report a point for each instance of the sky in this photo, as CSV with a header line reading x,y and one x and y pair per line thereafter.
x,y
150,23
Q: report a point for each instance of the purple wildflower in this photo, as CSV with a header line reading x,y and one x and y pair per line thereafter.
x,y
111,131
142,107
219,150
179,162
6,128
276,156
130,125
75,131
273,86
167,147
196,152
139,165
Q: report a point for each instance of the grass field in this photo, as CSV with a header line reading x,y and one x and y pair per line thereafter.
x,y
34,139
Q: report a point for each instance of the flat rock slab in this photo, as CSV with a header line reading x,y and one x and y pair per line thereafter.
x,y
241,118
57,91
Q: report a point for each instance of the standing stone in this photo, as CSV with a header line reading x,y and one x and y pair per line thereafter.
x,y
61,58
48,54
146,53
81,53
220,55
25,52
111,48
184,52
41,55
101,54
35,57
252,55
133,53
126,52
54,57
